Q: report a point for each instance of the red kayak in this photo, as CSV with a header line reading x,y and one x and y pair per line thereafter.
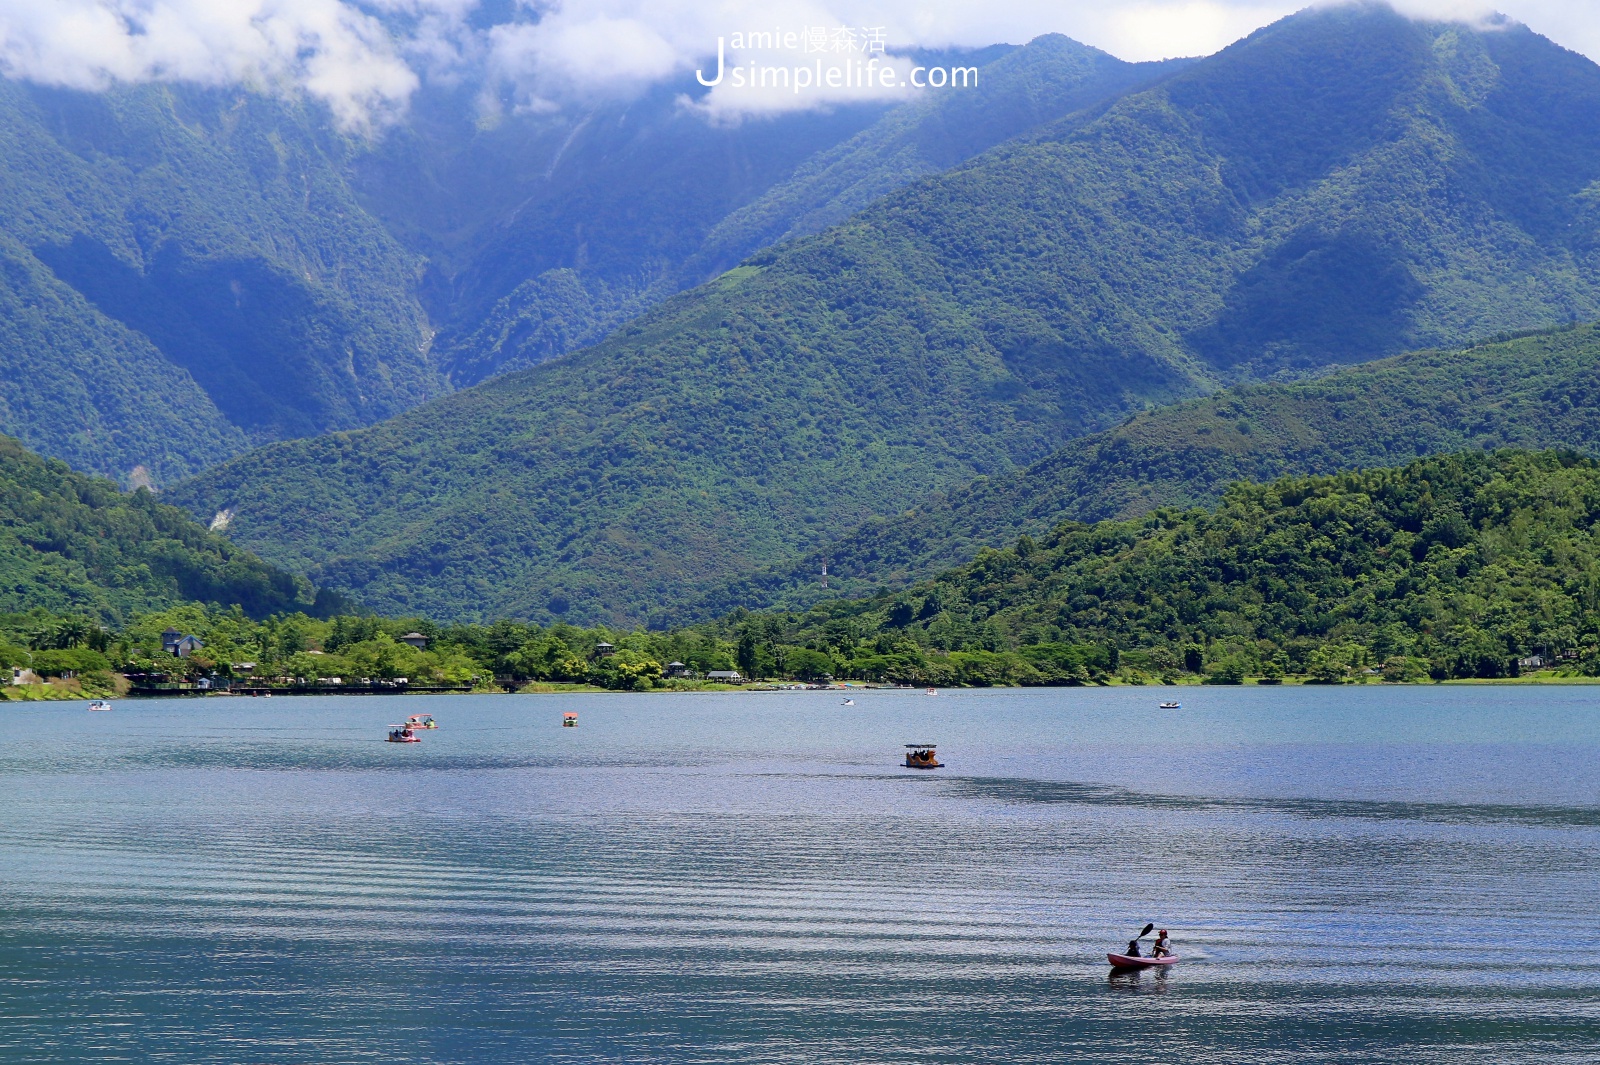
x,y
1123,961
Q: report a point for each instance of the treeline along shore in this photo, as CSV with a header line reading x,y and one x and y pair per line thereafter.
x,y
1479,565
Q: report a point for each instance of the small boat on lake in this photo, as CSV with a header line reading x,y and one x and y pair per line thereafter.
x,y
848,702
922,756
420,721
99,704
569,719
933,691
1172,706
402,734
1124,961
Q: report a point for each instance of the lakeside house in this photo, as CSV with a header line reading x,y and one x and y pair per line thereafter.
x,y
726,676
603,649
415,639
180,644
678,669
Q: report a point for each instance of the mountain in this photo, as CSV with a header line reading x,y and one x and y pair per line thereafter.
x,y
77,545
1342,185
1451,566
544,233
192,272
186,273
1537,391
1024,88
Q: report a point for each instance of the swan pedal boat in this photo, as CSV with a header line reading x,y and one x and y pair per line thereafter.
x,y
1124,961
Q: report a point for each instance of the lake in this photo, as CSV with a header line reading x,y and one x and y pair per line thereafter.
x,y
1358,874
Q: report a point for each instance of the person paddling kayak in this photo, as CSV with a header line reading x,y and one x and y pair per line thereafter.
x,y
1160,957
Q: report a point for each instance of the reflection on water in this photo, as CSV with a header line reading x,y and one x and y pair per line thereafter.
x,y
1382,874
1137,981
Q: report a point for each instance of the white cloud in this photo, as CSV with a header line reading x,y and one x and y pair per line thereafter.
x,y
330,49
364,58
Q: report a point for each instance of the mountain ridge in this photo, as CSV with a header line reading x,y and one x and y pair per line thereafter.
x,y
1527,392
1195,232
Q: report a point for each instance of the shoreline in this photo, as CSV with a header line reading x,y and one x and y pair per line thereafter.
x,y
42,693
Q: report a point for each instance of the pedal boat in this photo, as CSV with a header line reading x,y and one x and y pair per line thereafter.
x,y
403,734
1171,706
922,756
1123,961
569,719
420,721
99,704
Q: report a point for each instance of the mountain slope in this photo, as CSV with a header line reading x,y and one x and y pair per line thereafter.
x,y
1451,566
627,205
73,544
1048,78
1341,185
186,273
1538,391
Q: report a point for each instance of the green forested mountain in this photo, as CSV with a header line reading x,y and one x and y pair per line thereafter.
x,y
542,232
1452,566
74,544
643,200
1341,185
1045,81
185,273
1535,391
193,272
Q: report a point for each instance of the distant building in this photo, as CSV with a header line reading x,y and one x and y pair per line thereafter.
x,y
1532,662
602,649
243,667
415,639
176,643
677,669
730,676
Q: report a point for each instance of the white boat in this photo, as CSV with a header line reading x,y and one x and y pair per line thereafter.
x,y
99,704
1171,706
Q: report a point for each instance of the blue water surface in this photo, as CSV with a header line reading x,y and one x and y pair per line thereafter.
x,y
1359,874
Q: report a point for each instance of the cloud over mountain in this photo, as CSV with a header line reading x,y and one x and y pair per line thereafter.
x,y
364,58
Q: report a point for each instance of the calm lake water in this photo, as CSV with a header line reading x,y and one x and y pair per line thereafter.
x,y
1369,874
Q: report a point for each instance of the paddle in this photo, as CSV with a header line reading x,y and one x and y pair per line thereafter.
x,y
1147,930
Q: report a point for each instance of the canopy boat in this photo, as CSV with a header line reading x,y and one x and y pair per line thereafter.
x,y
420,721
403,734
99,704
569,719
922,756
1172,706
1124,961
